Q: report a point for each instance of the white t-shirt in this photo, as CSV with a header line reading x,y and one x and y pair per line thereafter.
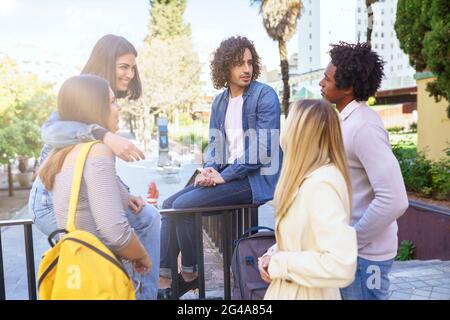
x,y
233,128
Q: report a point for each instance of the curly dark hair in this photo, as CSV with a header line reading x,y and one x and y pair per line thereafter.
x,y
358,67
229,54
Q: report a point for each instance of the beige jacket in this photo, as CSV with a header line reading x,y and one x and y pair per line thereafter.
x,y
316,248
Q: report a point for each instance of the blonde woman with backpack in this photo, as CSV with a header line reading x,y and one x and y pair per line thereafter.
x,y
315,252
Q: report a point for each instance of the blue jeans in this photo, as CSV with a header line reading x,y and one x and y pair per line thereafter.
x,y
233,192
371,281
146,224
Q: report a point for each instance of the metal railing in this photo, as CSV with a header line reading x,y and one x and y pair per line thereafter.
x,y
29,253
224,224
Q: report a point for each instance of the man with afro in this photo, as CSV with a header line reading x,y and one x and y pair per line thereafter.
x,y
378,191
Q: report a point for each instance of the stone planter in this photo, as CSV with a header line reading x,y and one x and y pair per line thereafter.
x,y
24,179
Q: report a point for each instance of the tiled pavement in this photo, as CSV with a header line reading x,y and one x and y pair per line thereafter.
x,y
420,280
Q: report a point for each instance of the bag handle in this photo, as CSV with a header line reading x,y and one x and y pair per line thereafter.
x,y
255,228
76,183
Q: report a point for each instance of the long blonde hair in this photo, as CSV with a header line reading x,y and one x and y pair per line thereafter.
x,y
310,139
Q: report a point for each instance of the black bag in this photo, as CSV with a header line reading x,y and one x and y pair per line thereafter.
x,y
248,284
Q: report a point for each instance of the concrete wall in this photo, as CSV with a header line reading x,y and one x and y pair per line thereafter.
x,y
433,126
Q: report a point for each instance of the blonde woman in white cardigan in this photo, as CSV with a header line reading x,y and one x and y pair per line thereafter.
x,y
316,249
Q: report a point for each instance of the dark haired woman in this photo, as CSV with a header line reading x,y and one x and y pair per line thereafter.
x,y
235,172
114,59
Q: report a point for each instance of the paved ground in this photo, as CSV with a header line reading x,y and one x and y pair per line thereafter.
x,y
420,280
10,206
410,280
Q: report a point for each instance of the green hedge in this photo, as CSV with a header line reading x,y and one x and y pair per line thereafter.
x,y
421,175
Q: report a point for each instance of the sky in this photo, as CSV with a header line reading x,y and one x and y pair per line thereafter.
x,y
53,38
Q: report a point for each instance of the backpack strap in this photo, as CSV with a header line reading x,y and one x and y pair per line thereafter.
x,y
76,183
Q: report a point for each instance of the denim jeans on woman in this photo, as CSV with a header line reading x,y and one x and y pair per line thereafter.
x,y
146,224
233,192
371,281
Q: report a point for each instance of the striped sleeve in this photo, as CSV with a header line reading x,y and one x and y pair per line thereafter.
x,y
106,202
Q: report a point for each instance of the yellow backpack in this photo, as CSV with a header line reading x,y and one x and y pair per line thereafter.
x,y
80,266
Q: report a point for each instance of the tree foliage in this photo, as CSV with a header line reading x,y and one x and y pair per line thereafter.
x,y
25,103
280,21
169,68
423,29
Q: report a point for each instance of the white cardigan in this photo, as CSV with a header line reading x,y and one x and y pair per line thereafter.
x,y
316,250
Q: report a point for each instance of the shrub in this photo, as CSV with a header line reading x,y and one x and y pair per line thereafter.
x,y
421,175
405,251
395,129
440,179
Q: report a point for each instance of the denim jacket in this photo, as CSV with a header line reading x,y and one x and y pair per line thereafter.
x,y
58,134
261,161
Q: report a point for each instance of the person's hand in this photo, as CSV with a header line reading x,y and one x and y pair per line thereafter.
x,y
263,266
142,265
209,177
123,148
136,204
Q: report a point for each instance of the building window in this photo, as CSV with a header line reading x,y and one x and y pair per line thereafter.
x,y
310,36
376,34
359,21
376,46
392,69
310,47
359,9
310,59
309,12
382,34
382,46
392,45
382,23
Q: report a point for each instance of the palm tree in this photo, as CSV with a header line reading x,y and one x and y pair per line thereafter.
x,y
369,4
280,21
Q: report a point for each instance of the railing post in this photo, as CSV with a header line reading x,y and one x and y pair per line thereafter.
x,y
200,258
28,231
253,217
2,273
226,254
173,249
246,218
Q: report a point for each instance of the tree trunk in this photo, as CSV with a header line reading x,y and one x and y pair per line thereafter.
x,y
284,64
130,123
369,22
10,181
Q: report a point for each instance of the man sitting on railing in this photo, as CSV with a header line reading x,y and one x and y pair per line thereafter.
x,y
243,159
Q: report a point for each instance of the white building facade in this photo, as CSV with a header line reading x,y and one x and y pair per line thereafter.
x,y
324,22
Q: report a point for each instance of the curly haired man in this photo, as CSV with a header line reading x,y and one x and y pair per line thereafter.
x,y
243,160
378,191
